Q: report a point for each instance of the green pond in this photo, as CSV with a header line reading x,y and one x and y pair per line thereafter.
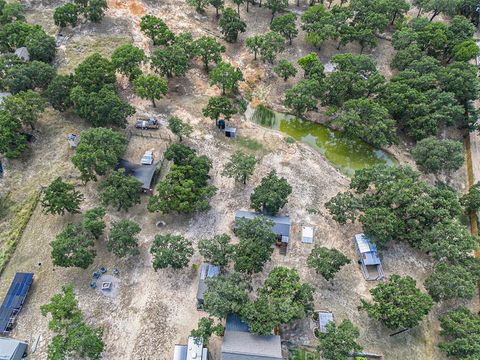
x,y
344,153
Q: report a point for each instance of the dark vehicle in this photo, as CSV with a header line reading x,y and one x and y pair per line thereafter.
x,y
147,124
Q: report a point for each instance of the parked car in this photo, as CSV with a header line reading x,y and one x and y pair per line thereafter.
x,y
147,158
146,124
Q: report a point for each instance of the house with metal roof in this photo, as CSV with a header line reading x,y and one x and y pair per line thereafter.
x,y
191,351
368,258
143,173
11,349
240,344
206,271
281,224
13,301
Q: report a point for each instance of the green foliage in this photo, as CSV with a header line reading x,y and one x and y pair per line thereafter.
x,y
150,87
312,66
127,59
338,342
380,225
98,151
179,127
230,24
271,44
471,200
368,120
276,6
216,251
205,330
398,303
343,207
449,282
32,75
465,51
415,205
461,328
326,262
94,73
93,221
254,44
199,5
281,299
95,10
217,106
437,156
285,69
101,108
240,166
66,14
217,4
59,197
225,295
11,12
58,92
156,29
302,97
255,246
73,247
185,188
25,107
271,195
73,337
285,26
171,60
12,141
122,240
171,251
209,50
226,77
120,190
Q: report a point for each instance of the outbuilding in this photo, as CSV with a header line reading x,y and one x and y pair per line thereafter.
x,y
206,271
11,349
143,173
281,224
192,351
368,258
14,300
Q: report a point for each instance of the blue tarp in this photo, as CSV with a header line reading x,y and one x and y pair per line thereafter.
x,y
13,301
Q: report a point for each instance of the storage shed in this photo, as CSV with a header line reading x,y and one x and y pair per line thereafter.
x,y
13,301
240,344
324,317
191,351
206,271
307,235
281,224
368,258
11,349
143,173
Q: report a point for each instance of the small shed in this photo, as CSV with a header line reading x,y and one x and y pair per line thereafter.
x,y
13,301
307,234
191,351
324,317
143,173
231,132
11,349
206,271
22,53
281,224
368,258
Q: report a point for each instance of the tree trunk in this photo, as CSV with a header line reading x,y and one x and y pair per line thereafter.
x,y
290,38
153,102
435,13
419,12
238,9
244,179
361,48
223,89
217,11
273,16
254,55
298,2
260,3
339,44
248,2
394,17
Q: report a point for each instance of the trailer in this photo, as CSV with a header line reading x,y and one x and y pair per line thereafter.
x,y
14,300
368,258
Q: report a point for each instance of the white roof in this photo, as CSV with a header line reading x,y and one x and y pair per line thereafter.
x,y
307,234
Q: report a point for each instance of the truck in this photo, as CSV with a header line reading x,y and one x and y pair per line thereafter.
x,y
146,124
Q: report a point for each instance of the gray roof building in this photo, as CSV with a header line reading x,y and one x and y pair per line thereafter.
x,y
11,349
281,224
369,259
240,344
143,173
206,271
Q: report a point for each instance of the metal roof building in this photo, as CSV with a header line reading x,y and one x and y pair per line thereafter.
x,y
369,259
191,351
143,173
206,271
11,349
13,301
324,317
240,344
281,224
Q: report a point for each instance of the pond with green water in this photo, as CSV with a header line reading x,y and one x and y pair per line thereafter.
x,y
344,153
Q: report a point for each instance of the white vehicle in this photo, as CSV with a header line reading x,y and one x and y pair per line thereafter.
x,y
147,158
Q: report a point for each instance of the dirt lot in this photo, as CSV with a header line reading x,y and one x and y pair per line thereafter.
x,y
155,310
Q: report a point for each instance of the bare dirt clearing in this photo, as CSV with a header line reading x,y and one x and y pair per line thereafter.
x,y
155,310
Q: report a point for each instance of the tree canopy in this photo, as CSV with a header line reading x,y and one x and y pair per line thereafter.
x,y
240,166
217,250
122,240
59,197
73,247
225,295
338,342
326,262
120,190
171,251
271,195
226,77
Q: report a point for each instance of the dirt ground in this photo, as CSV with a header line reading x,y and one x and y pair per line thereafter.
x,y
153,311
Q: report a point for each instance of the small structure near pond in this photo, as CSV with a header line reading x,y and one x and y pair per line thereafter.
x,y
368,258
206,271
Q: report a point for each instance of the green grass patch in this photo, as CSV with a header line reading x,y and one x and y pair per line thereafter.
x,y
249,143
17,226
302,354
